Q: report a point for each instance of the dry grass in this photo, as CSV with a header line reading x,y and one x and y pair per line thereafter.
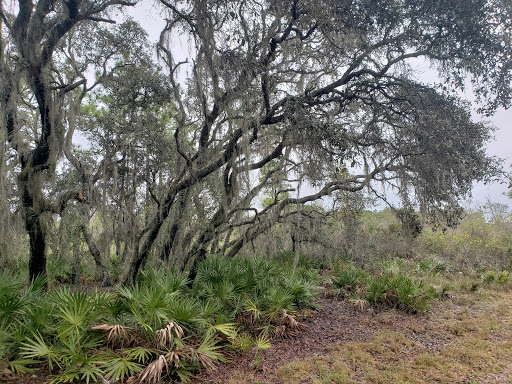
x,y
466,339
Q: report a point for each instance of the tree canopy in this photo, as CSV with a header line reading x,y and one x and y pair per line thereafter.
x,y
243,100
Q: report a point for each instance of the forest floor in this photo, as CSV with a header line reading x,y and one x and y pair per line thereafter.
x,y
465,339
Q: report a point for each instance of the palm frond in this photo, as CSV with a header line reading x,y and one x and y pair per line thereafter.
x,y
208,352
262,342
21,366
242,342
37,348
227,329
153,372
139,354
121,367
165,336
255,313
74,309
116,334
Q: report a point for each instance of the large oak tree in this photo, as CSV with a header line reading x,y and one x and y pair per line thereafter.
x,y
260,97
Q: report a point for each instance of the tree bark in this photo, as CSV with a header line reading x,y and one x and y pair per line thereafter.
x,y
75,275
37,241
32,217
179,213
101,269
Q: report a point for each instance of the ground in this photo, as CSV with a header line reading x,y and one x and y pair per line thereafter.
x,y
465,339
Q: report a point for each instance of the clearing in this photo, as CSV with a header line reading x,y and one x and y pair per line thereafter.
x,y
466,339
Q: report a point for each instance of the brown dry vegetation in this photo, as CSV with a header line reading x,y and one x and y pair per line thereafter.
x,y
464,339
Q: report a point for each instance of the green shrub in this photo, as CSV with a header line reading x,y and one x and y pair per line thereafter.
x,y
347,276
489,277
431,266
502,277
391,288
162,327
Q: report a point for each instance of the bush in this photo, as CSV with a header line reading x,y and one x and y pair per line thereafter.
x,y
390,289
160,327
501,277
475,244
347,276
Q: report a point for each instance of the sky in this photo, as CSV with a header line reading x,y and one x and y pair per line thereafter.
x,y
501,146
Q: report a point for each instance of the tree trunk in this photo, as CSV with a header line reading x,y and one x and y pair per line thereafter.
x,y
101,270
37,241
296,240
75,275
32,218
179,213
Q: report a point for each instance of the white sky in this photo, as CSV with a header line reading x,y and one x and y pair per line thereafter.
x,y
151,19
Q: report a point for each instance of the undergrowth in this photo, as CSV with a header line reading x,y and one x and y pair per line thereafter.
x,y
163,326
390,288
167,327
470,335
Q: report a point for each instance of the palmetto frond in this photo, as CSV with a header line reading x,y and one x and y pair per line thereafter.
x,y
153,372
262,342
278,300
254,314
140,354
186,312
280,332
121,367
208,352
37,348
360,304
116,334
147,306
21,366
227,329
242,342
165,336
15,297
76,310
286,325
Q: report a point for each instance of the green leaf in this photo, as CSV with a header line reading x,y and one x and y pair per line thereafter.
x,y
74,308
209,348
37,348
262,342
121,367
227,329
22,366
140,354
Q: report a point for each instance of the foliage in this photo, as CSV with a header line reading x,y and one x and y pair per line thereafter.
x,y
475,243
301,92
168,326
387,289
481,241
502,277
163,326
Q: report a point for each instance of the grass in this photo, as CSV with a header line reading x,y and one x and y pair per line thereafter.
x,y
467,339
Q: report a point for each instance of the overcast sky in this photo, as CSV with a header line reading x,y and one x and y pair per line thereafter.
x,y
149,17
